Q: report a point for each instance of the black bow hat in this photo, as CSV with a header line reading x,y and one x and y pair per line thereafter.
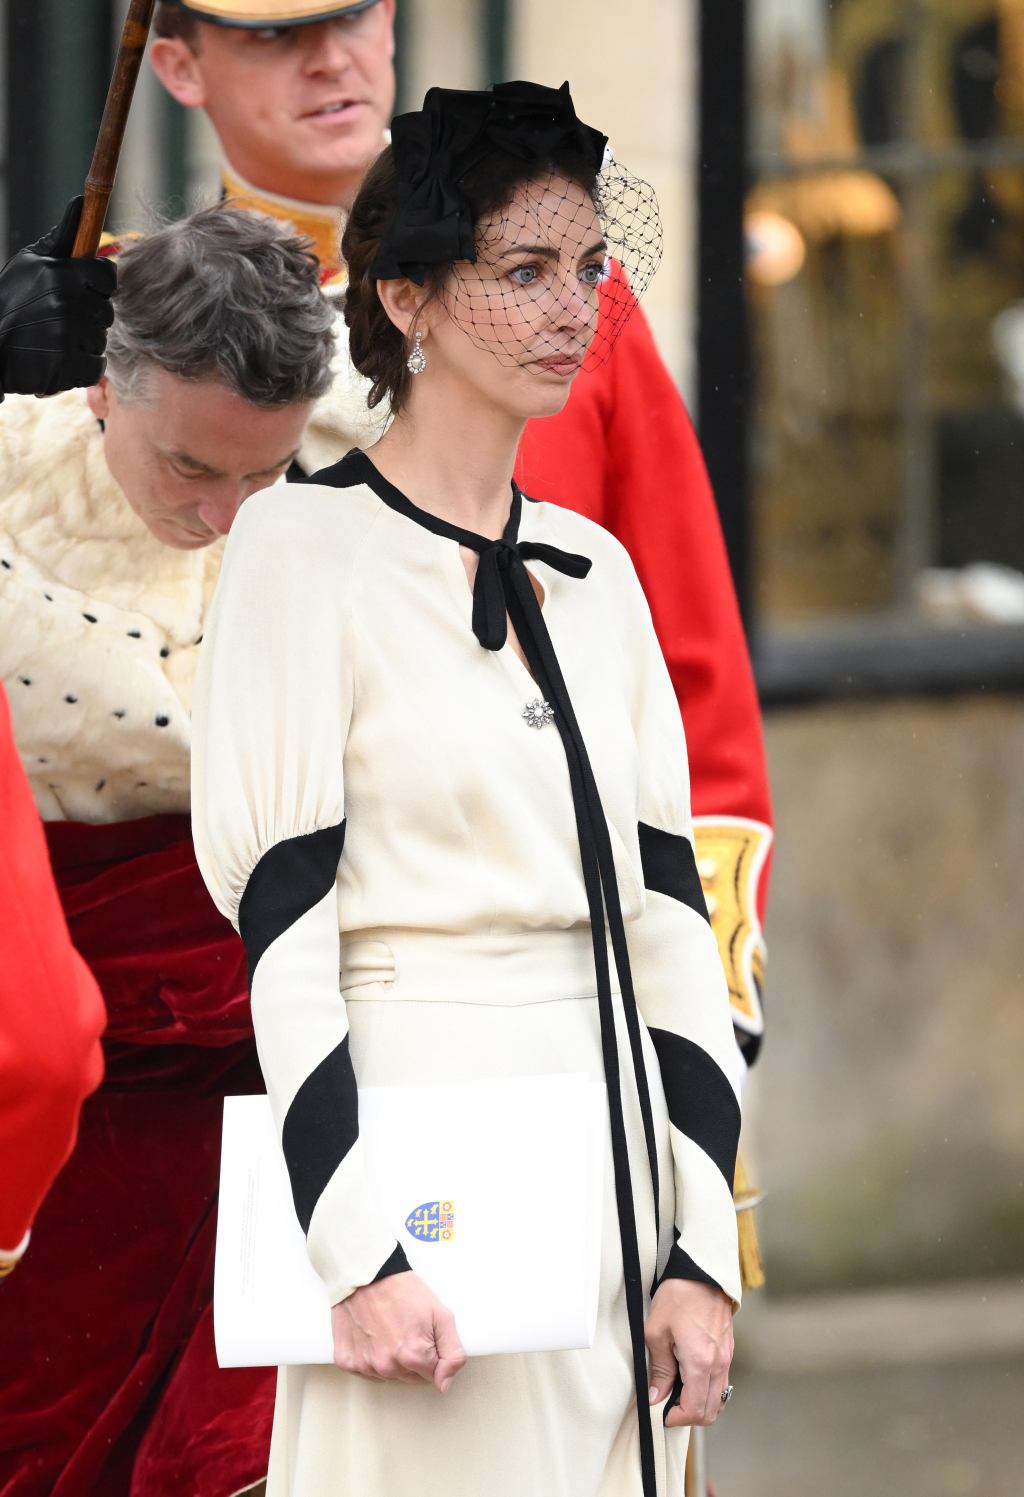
x,y
437,145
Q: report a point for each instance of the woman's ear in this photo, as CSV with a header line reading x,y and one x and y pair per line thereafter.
x,y
402,300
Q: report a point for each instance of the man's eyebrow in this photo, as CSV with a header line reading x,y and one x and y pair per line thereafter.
x,y
284,463
188,461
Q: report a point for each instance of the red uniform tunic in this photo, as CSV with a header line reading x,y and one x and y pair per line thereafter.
x,y
51,1013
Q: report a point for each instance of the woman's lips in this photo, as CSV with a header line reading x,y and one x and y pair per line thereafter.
x,y
561,363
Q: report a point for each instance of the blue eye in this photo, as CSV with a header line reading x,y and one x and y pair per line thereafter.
x,y
525,275
595,273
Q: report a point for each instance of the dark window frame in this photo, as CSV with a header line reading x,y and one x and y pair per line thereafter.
x,y
881,654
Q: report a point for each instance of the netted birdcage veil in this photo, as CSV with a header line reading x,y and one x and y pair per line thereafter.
x,y
546,242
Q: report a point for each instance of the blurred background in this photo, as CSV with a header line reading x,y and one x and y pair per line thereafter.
x,y
842,303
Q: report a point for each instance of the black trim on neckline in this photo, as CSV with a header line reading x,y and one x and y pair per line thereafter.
x,y
355,467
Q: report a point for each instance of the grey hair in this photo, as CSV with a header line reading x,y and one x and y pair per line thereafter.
x,y
223,295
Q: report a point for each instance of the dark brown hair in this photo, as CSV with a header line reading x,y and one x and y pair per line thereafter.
x,y
172,20
377,348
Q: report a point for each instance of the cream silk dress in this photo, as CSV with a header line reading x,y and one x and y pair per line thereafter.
x,y
369,800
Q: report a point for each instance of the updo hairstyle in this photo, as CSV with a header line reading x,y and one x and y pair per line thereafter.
x,y
376,346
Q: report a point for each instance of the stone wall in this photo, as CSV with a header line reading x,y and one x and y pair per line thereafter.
x,y
633,72
887,1113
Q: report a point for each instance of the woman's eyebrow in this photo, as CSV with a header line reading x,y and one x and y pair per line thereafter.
x,y
548,251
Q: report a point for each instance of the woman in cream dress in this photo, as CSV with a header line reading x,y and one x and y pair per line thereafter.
x,y
437,750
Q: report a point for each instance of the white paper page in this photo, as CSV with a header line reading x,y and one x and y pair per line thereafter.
x,y
270,1306
597,1131
512,1172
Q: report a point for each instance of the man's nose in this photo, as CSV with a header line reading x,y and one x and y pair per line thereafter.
x,y
218,513
327,49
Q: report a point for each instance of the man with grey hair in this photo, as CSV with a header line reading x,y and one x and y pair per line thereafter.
x,y
113,506
112,501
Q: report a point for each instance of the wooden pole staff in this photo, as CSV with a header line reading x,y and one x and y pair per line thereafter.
x,y
100,182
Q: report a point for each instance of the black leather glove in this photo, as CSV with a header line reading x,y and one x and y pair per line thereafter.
x,y
54,314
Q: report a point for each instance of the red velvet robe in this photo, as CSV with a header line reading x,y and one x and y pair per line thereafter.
x,y
111,1384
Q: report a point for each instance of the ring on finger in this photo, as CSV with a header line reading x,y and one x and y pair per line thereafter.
x,y
727,1393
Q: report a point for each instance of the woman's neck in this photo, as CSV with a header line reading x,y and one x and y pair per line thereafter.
x,y
454,462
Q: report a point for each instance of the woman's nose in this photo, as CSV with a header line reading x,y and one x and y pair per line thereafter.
x,y
576,305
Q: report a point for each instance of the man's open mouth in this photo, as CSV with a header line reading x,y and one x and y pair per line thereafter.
x,y
336,106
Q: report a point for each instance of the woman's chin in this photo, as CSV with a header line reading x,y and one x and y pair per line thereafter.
x,y
547,398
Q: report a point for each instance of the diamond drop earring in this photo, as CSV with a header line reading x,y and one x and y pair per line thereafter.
x,y
417,360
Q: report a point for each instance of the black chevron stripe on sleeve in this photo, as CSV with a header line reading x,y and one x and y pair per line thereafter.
x,y
288,881
320,1128
283,907
681,1266
670,867
701,1102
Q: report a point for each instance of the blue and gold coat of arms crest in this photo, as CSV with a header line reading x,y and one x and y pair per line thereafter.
x,y
434,1221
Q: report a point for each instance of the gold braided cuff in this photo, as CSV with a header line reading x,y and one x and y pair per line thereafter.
x,y
731,853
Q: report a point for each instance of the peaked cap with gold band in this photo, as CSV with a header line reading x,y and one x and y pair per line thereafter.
x,y
260,13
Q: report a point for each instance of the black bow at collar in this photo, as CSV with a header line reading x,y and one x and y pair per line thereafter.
x,y
502,571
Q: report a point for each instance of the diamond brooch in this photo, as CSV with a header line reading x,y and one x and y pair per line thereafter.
x,y
538,714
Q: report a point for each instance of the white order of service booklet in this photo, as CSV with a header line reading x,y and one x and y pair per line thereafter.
x,y
493,1188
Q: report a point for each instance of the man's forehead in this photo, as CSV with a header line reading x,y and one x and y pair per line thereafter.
x,y
205,418
255,14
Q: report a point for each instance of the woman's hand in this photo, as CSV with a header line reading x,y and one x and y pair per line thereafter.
x,y
689,1329
397,1330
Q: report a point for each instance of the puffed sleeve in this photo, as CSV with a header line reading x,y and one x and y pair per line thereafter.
x,y
680,983
271,713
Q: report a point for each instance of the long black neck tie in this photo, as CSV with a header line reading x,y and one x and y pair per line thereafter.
x,y
503,590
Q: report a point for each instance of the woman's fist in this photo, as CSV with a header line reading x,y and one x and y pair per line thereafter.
x,y
397,1330
689,1332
